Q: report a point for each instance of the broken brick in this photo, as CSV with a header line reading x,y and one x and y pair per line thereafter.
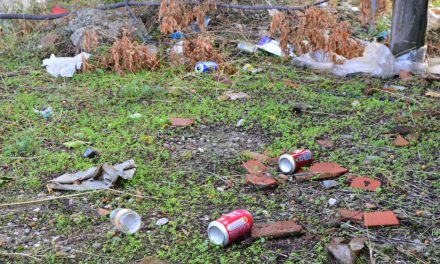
x,y
365,183
351,215
327,170
260,180
254,167
181,122
256,156
386,218
276,230
400,141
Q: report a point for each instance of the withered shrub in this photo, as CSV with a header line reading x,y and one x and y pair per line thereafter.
x,y
129,56
367,12
315,29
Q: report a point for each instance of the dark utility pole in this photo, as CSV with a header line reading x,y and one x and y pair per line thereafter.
x,y
408,30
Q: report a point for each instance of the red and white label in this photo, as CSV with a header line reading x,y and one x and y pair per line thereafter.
x,y
237,223
302,157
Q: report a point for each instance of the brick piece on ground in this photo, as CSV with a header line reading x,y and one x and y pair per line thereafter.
x,y
400,141
327,170
386,218
260,180
254,167
276,230
365,183
350,215
181,122
256,156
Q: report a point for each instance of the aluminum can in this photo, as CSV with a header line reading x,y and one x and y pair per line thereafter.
x,y
206,66
290,163
230,227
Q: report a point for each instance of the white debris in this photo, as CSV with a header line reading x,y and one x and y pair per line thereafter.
x,y
332,201
162,221
64,66
240,123
135,115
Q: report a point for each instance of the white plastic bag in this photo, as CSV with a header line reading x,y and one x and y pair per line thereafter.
x,y
64,66
377,61
317,60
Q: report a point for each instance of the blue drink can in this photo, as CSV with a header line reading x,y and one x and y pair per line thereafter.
x,y
206,66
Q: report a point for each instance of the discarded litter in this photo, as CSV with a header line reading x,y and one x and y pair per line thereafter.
x,y
58,10
377,60
64,66
273,46
249,68
90,153
46,112
162,221
246,46
289,163
206,66
230,227
233,96
240,123
135,115
125,220
95,178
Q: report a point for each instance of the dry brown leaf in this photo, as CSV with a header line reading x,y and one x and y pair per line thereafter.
x,y
102,211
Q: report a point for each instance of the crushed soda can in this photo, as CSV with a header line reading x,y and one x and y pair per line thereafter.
x,y
290,163
273,46
206,66
246,46
230,227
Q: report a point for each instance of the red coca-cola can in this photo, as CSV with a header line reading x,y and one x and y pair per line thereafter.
x,y
230,227
290,163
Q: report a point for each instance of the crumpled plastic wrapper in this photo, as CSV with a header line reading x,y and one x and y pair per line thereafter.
x,y
96,178
64,66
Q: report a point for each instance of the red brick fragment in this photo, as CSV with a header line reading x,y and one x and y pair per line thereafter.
x,y
260,180
351,215
254,167
365,183
400,141
181,122
386,218
276,230
327,170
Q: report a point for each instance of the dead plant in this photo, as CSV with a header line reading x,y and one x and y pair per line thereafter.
x,y
201,48
129,56
367,11
315,29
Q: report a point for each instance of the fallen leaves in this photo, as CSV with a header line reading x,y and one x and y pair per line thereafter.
x,y
181,122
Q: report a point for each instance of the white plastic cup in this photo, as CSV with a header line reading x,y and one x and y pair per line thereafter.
x,y
125,220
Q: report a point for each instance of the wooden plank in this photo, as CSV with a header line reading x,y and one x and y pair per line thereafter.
x,y
408,30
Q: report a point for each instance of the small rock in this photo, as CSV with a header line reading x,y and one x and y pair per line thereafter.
x,y
329,184
357,244
355,103
97,245
135,116
162,221
340,254
37,209
200,150
27,230
332,201
220,189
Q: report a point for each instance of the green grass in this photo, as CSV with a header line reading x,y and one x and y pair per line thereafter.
x,y
95,108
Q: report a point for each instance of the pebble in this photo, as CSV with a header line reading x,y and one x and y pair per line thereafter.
x,y
220,189
37,245
37,209
162,221
27,230
10,224
200,150
329,184
332,201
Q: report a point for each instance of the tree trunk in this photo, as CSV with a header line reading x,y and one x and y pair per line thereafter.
x,y
408,30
